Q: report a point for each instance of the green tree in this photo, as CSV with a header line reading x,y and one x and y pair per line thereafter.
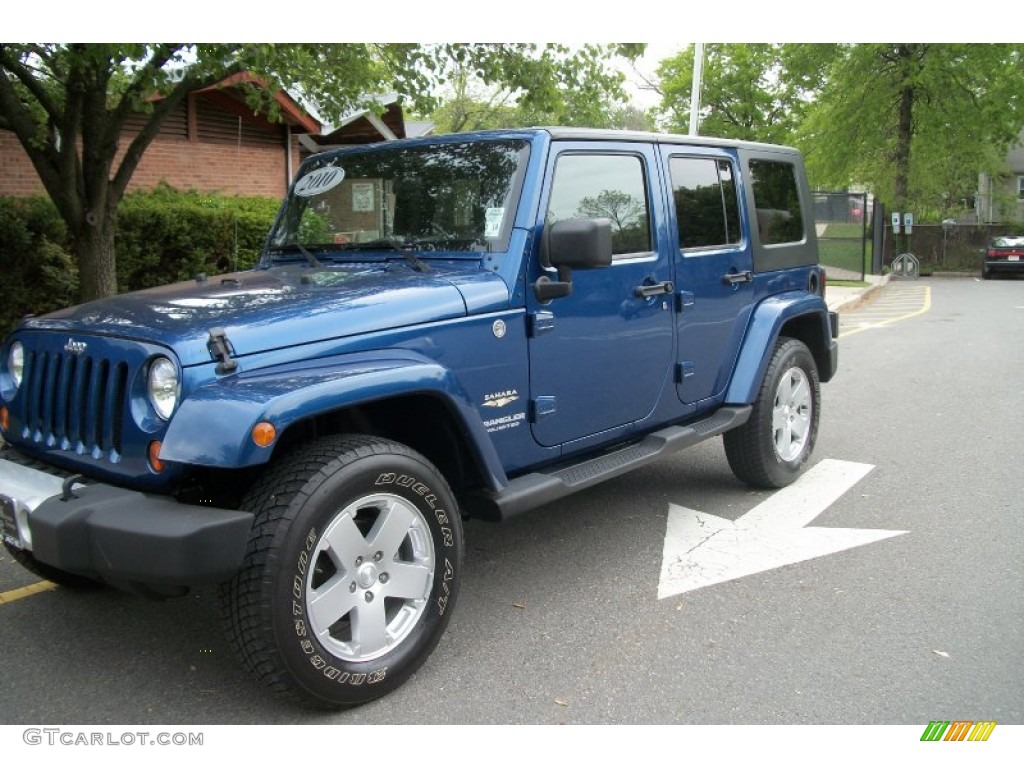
x,y
588,93
915,122
67,104
745,91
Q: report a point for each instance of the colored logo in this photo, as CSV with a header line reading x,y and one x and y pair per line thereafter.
x,y
958,730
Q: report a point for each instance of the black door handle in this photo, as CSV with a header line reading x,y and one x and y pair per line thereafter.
x,y
653,289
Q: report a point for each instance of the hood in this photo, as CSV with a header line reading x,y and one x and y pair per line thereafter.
x,y
278,307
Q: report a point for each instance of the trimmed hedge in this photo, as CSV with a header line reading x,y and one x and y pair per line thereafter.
x,y
162,236
39,273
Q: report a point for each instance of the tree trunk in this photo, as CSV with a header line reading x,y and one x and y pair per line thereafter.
x,y
905,129
94,251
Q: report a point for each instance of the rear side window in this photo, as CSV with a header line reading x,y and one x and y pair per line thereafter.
x,y
776,202
707,212
604,187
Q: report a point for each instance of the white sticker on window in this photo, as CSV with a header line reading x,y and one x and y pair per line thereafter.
x,y
319,181
492,222
362,197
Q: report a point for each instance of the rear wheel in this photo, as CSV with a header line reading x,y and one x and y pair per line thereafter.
x,y
770,450
351,573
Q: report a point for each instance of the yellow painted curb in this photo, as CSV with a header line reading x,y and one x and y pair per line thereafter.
x,y
31,589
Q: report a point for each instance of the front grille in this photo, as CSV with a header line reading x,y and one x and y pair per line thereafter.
x,y
75,403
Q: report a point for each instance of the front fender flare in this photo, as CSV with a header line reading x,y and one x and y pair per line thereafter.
x,y
762,333
213,425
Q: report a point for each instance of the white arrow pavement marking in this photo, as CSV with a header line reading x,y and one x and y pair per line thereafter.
x,y
702,549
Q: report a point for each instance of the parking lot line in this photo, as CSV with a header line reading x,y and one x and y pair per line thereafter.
x,y
903,303
31,589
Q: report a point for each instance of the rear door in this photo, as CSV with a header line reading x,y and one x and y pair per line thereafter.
x,y
713,266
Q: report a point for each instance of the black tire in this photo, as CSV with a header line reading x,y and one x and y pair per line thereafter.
x,y
770,450
319,513
48,572
985,273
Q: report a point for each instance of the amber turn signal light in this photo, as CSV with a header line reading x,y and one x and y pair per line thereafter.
x,y
264,433
154,456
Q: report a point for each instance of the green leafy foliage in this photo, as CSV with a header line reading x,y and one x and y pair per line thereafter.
x,y
567,87
163,236
39,273
746,93
67,104
915,122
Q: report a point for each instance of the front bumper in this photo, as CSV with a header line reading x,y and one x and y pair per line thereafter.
x,y
122,537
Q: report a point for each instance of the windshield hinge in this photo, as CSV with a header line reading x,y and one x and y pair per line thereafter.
x,y
220,350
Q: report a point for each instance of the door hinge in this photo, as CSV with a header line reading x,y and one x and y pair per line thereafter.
x,y
684,370
685,300
541,322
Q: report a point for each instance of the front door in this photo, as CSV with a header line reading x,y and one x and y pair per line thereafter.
x,y
601,357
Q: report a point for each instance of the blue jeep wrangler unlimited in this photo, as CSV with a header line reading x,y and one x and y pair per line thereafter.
x,y
470,325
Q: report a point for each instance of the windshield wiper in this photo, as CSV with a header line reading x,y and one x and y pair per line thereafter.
x,y
313,261
386,244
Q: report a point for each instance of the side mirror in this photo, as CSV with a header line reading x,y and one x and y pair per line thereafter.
x,y
573,244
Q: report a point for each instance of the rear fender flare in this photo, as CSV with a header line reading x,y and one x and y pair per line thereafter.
x,y
763,332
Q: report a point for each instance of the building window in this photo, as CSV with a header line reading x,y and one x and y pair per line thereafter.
x,y
1020,187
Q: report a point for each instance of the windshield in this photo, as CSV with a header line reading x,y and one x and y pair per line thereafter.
x,y
450,197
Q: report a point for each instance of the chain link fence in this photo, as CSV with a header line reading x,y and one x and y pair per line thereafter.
x,y
949,248
843,221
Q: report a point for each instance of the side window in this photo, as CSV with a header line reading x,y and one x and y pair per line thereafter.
x,y
604,187
776,202
707,212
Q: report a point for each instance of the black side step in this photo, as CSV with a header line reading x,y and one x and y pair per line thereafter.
x,y
537,488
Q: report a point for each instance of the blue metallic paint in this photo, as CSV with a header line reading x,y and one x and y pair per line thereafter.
x,y
310,341
263,309
765,325
224,412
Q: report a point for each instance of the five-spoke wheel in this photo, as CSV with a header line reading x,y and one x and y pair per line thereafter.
x,y
351,574
770,450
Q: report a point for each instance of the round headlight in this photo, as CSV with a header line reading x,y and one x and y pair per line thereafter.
x,y
16,363
162,387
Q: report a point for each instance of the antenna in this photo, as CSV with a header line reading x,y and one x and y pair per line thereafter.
x,y
234,214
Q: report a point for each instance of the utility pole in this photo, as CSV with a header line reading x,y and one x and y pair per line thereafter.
x,y
698,71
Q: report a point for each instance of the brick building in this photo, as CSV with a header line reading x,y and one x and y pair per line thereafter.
x,y
214,142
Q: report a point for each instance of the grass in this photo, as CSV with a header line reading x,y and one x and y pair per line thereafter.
x,y
844,254
849,231
848,283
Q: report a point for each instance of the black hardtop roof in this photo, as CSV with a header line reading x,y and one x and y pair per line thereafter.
x,y
557,133
608,134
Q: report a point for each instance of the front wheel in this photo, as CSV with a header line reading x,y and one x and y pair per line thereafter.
x,y
770,450
351,573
